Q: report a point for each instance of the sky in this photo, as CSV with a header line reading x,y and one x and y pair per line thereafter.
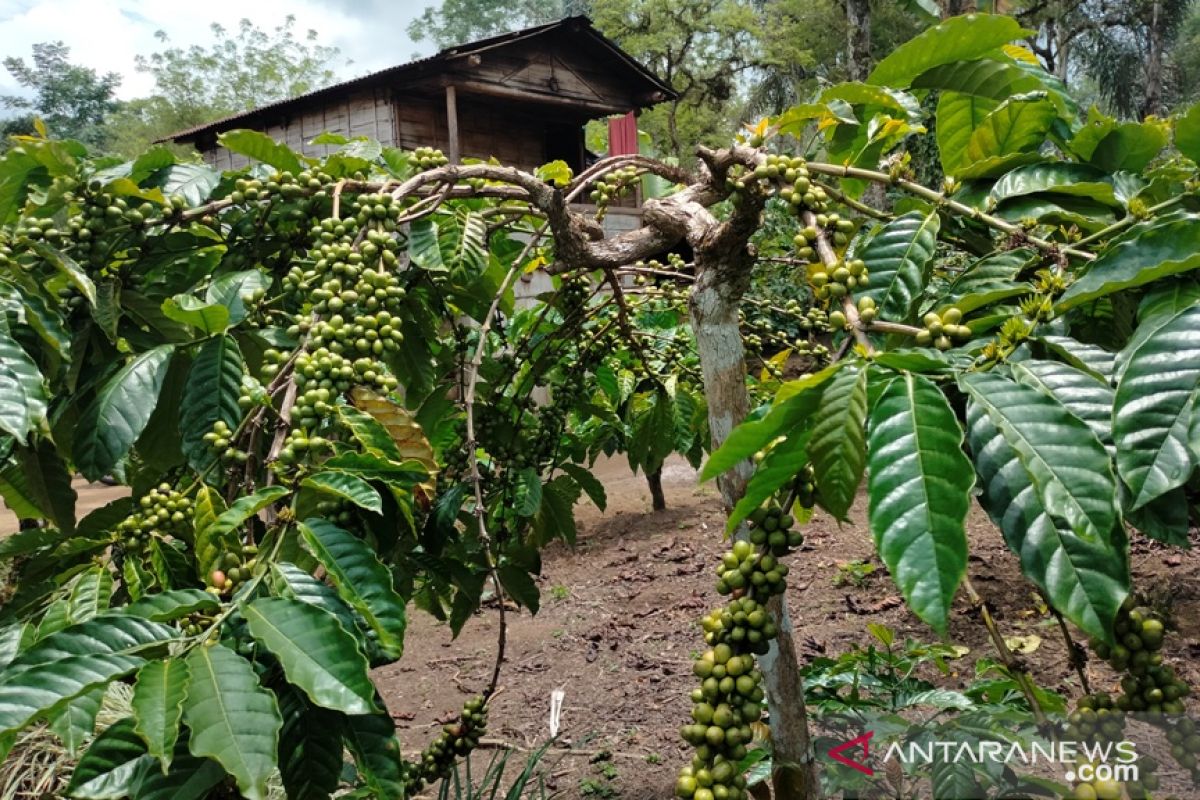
x,y
107,34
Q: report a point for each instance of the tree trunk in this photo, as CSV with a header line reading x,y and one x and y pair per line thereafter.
x,y
654,481
858,39
1152,100
714,304
952,8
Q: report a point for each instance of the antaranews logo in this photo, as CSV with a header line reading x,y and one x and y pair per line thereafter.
x,y
862,740
1075,761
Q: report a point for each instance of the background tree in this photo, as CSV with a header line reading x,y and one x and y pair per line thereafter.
x,y
238,70
72,101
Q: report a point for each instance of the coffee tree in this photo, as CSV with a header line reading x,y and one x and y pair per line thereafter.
x,y
313,377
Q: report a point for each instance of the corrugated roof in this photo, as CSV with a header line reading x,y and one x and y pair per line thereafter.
x,y
577,24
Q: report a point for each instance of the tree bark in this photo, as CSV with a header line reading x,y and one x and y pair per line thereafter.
x,y
723,263
1152,100
657,500
952,8
858,39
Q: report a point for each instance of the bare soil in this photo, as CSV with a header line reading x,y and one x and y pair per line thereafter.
x,y
618,629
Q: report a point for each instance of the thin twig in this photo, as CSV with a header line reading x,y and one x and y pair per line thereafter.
x,y
472,380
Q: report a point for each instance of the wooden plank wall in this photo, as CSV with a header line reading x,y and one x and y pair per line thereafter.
x,y
367,112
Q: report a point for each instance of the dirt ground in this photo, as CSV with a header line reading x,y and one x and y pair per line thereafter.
x,y
618,628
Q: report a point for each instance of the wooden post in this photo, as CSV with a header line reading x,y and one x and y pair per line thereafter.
x,y
452,123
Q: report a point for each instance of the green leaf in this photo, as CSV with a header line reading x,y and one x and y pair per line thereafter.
x,y
193,182
527,494
157,707
108,768
223,534
1164,519
261,147
370,433
958,115
371,739
519,585
172,604
89,594
348,487
423,247
1056,178
189,778
204,317
794,405
1161,249
67,266
590,484
955,39
556,517
1187,133
1095,361
47,484
232,719
316,653
23,395
1017,125
1081,393
898,257
232,290
1161,304
1057,209
116,417
75,721
919,490
214,383
776,470
989,280
310,748
1153,407
652,437
1115,146
48,323
837,448
288,580
1068,465
362,581
66,664
1085,577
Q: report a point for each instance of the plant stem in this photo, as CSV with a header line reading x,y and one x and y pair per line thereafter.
x,y
1075,651
941,200
1017,670
1128,220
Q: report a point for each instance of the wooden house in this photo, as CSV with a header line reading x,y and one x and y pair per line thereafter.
x,y
521,97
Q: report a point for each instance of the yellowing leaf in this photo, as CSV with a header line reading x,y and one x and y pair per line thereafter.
x,y
405,432
1023,645
1020,53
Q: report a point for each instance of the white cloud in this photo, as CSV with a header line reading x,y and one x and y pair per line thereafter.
x,y
106,35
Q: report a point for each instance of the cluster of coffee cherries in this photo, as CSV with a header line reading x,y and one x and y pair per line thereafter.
x,y
220,440
836,283
790,173
197,623
163,511
837,228
730,696
456,741
1151,692
612,186
233,569
428,158
943,330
